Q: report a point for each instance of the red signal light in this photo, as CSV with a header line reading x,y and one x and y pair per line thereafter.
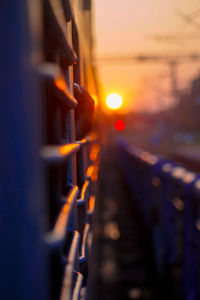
x,y
120,125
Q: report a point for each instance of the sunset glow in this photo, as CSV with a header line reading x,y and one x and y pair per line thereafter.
x,y
114,101
146,28
95,99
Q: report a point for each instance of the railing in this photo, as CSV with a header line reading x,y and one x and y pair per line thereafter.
x,y
69,224
47,176
169,197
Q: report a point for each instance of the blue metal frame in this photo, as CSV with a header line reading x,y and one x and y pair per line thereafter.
x,y
22,266
40,258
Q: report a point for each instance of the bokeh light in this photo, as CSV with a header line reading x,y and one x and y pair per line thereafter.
x,y
114,101
120,125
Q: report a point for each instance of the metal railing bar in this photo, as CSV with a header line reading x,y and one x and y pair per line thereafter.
x,y
67,10
57,235
50,70
90,171
58,11
52,74
56,154
62,94
60,19
91,205
87,139
70,267
83,141
71,258
175,172
84,190
78,286
174,191
82,206
84,242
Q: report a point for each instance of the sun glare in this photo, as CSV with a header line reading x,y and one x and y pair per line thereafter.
x,y
114,101
95,99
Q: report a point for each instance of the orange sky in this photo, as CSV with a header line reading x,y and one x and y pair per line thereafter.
x,y
126,27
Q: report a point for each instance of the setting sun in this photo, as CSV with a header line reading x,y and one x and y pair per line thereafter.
x,y
114,101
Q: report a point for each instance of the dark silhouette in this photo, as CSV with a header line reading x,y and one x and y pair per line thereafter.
x,y
84,111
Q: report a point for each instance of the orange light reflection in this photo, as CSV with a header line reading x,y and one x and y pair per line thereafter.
x,y
94,152
91,203
94,97
61,84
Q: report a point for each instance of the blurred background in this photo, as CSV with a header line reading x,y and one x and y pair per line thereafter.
x,y
148,53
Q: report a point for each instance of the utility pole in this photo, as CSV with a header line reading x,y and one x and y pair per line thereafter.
x,y
174,82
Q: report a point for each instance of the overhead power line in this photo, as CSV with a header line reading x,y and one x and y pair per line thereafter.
x,y
172,60
146,58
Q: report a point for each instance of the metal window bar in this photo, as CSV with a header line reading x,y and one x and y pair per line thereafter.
x,y
44,237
